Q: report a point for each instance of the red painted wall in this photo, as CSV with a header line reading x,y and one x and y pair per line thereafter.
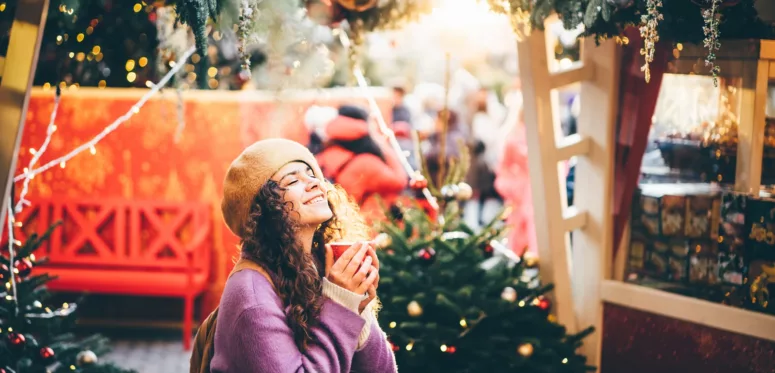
x,y
141,160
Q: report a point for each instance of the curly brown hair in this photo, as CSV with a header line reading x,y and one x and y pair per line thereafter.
x,y
271,241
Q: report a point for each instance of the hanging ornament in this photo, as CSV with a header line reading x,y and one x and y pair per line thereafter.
x,y
531,259
46,353
414,309
465,192
418,182
24,267
357,5
427,254
509,294
525,349
543,303
17,341
449,192
488,251
243,33
85,358
383,240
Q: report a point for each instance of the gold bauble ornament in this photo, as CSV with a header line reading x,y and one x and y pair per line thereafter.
x,y
465,192
525,349
509,294
531,260
85,358
357,5
414,309
383,240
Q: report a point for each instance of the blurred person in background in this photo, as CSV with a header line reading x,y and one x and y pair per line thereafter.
x,y
512,180
362,163
315,120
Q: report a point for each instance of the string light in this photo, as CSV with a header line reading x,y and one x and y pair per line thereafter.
x,y
11,255
392,325
565,360
463,323
113,126
93,150
410,346
50,129
130,77
443,348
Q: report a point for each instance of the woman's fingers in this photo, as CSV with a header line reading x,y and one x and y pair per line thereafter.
x,y
363,271
356,261
369,281
346,257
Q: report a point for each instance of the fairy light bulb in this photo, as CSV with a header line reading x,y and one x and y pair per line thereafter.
x,y
92,150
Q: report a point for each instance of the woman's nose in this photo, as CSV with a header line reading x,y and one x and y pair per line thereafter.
x,y
313,183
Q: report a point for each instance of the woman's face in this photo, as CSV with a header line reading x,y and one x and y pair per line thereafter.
x,y
305,191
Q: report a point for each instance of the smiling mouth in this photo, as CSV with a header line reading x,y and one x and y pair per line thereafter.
x,y
317,199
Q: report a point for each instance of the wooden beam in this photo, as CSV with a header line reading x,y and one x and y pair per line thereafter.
x,y
573,146
750,146
574,219
592,246
539,117
18,73
578,73
697,311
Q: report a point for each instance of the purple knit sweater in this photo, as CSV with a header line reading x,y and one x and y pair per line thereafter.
x,y
253,336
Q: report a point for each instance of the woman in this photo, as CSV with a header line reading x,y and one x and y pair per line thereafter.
x,y
364,167
305,312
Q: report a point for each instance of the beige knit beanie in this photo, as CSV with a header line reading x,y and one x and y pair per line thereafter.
x,y
251,170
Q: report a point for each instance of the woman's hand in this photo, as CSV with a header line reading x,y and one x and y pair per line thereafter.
x,y
351,271
372,291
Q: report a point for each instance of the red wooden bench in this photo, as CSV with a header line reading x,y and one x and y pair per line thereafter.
x,y
127,247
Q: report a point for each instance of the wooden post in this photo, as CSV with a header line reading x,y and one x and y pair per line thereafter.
x,y
17,76
593,245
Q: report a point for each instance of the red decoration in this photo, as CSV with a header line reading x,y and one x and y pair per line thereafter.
x,y
46,353
394,346
488,250
24,267
418,183
3,271
17,340
451,349
544,303
427,254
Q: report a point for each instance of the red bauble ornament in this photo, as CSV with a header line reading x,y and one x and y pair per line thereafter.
x,y
46,353
24,267
451,349
488,251
427,254
17,341
418,182
544,304
394,346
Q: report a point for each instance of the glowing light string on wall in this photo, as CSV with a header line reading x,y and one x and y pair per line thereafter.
x,y
37,153
364,85
90,145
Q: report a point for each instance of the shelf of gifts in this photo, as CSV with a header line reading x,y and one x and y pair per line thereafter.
x,y
712,155
701,241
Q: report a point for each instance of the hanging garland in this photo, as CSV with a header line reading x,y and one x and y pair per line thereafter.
x,y
679,21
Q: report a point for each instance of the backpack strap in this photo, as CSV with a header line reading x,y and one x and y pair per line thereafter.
x,y
204,342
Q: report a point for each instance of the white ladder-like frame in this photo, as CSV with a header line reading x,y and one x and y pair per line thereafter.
x,y
579,273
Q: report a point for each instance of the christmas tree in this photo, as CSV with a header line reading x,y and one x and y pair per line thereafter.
x,y
454,300
33,336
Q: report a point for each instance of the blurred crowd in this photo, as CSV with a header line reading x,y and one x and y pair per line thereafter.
x,y
354,153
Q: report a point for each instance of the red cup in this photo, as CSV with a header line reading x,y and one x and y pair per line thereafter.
x,y
340,247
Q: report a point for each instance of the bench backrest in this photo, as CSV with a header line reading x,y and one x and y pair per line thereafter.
x,y
119,233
